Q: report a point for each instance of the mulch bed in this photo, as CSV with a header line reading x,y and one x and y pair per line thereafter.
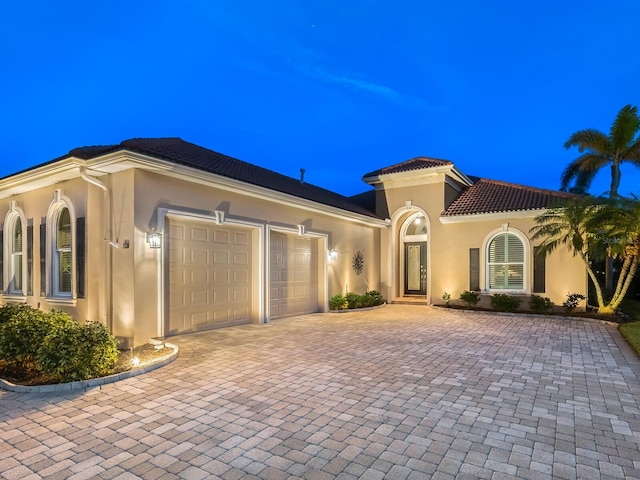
x,y
146,354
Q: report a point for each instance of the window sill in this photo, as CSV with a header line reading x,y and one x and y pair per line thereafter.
x,y
13,298
67,302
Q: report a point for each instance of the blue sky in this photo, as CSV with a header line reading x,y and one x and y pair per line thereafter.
x,y
339,88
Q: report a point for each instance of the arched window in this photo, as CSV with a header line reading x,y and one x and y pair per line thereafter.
x,y
14,250
506,262
16,273
62,268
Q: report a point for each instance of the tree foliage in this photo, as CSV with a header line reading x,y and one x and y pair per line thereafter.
x,y
592,228
598,150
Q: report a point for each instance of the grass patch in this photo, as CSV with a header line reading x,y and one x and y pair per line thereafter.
x,y
631,332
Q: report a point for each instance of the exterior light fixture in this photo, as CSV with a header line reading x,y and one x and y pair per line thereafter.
x,y
333,254
154,238
418,220
135,361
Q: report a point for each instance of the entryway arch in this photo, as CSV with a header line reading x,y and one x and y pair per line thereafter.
x,y
413,255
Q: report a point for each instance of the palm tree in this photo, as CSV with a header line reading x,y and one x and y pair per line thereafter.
x,y
586,227
600,150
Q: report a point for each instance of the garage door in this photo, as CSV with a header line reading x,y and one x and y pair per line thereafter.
x,y
293,275
210,276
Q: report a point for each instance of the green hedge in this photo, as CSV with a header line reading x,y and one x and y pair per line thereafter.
x,y
54,344
371,298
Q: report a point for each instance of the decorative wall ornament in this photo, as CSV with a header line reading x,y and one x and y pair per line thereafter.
x,y
357,264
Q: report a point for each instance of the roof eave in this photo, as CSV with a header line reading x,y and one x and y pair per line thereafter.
x,y
488,216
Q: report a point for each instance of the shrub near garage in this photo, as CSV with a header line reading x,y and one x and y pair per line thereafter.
x,y
338,302
371,298
23,333
78,352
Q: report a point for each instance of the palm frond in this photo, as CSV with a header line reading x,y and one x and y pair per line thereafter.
x,y
625,127
589,139
582,171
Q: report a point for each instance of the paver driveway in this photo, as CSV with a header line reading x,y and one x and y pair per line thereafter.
x,y
398,392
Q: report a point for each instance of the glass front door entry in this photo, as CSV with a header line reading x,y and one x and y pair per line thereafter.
x,y
415,268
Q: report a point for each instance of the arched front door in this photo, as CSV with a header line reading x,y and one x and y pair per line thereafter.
x,y
414,240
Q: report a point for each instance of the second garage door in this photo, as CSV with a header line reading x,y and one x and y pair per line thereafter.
x,y
210,276
293,275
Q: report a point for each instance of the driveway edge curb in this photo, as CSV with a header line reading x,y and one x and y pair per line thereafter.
x,y
94,382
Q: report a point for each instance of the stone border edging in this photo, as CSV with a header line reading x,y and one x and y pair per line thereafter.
x,y
94,382
530,315
363,309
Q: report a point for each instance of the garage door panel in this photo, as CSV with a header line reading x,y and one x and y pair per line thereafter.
x,y
293,275
210,276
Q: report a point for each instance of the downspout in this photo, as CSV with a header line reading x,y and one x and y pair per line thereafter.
x,y
107,241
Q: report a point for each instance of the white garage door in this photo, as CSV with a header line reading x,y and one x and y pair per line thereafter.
x,y
210,276
293,275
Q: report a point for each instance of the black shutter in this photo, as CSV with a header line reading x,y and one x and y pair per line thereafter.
x,y
30,260
474,269
43,259
539,270
80,257
1,263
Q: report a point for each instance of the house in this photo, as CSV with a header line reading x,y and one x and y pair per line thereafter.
x,y
156,237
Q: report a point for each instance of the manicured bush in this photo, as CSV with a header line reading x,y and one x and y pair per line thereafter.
x,y
572,301
377,297
338,302
23,334
540,304
470,298
78,352
353,300
504,303
10,309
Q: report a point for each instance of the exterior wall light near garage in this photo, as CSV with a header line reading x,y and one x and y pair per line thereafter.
x,y
333,254
154,238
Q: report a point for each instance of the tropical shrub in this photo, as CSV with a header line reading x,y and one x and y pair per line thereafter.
x,y
470,298
377,297
572,301
23,334
353,300
371,298
540,304
10,309
338,302
78,352
504,303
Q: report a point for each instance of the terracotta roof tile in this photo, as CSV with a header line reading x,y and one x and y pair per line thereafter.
x,y
188,154
417,163
492,196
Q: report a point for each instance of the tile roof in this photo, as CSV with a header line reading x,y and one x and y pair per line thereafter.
x,y
188,154
417,163
492,196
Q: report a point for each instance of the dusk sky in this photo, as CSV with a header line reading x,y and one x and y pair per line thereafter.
x,y
339,88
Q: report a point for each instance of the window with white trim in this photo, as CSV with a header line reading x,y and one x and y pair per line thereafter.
x,y
505,262
62,273
16,271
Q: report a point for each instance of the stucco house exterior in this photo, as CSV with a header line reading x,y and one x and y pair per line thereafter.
x,y
158,236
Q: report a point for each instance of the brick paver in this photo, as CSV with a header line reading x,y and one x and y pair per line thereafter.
x,y
399,392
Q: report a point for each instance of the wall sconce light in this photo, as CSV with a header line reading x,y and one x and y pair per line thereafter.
x,y
333,254
154,238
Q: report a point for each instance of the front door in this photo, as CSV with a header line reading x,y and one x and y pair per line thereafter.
x,y
415,268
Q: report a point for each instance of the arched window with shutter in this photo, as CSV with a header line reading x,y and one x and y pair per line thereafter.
x,y
506,267
62,254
